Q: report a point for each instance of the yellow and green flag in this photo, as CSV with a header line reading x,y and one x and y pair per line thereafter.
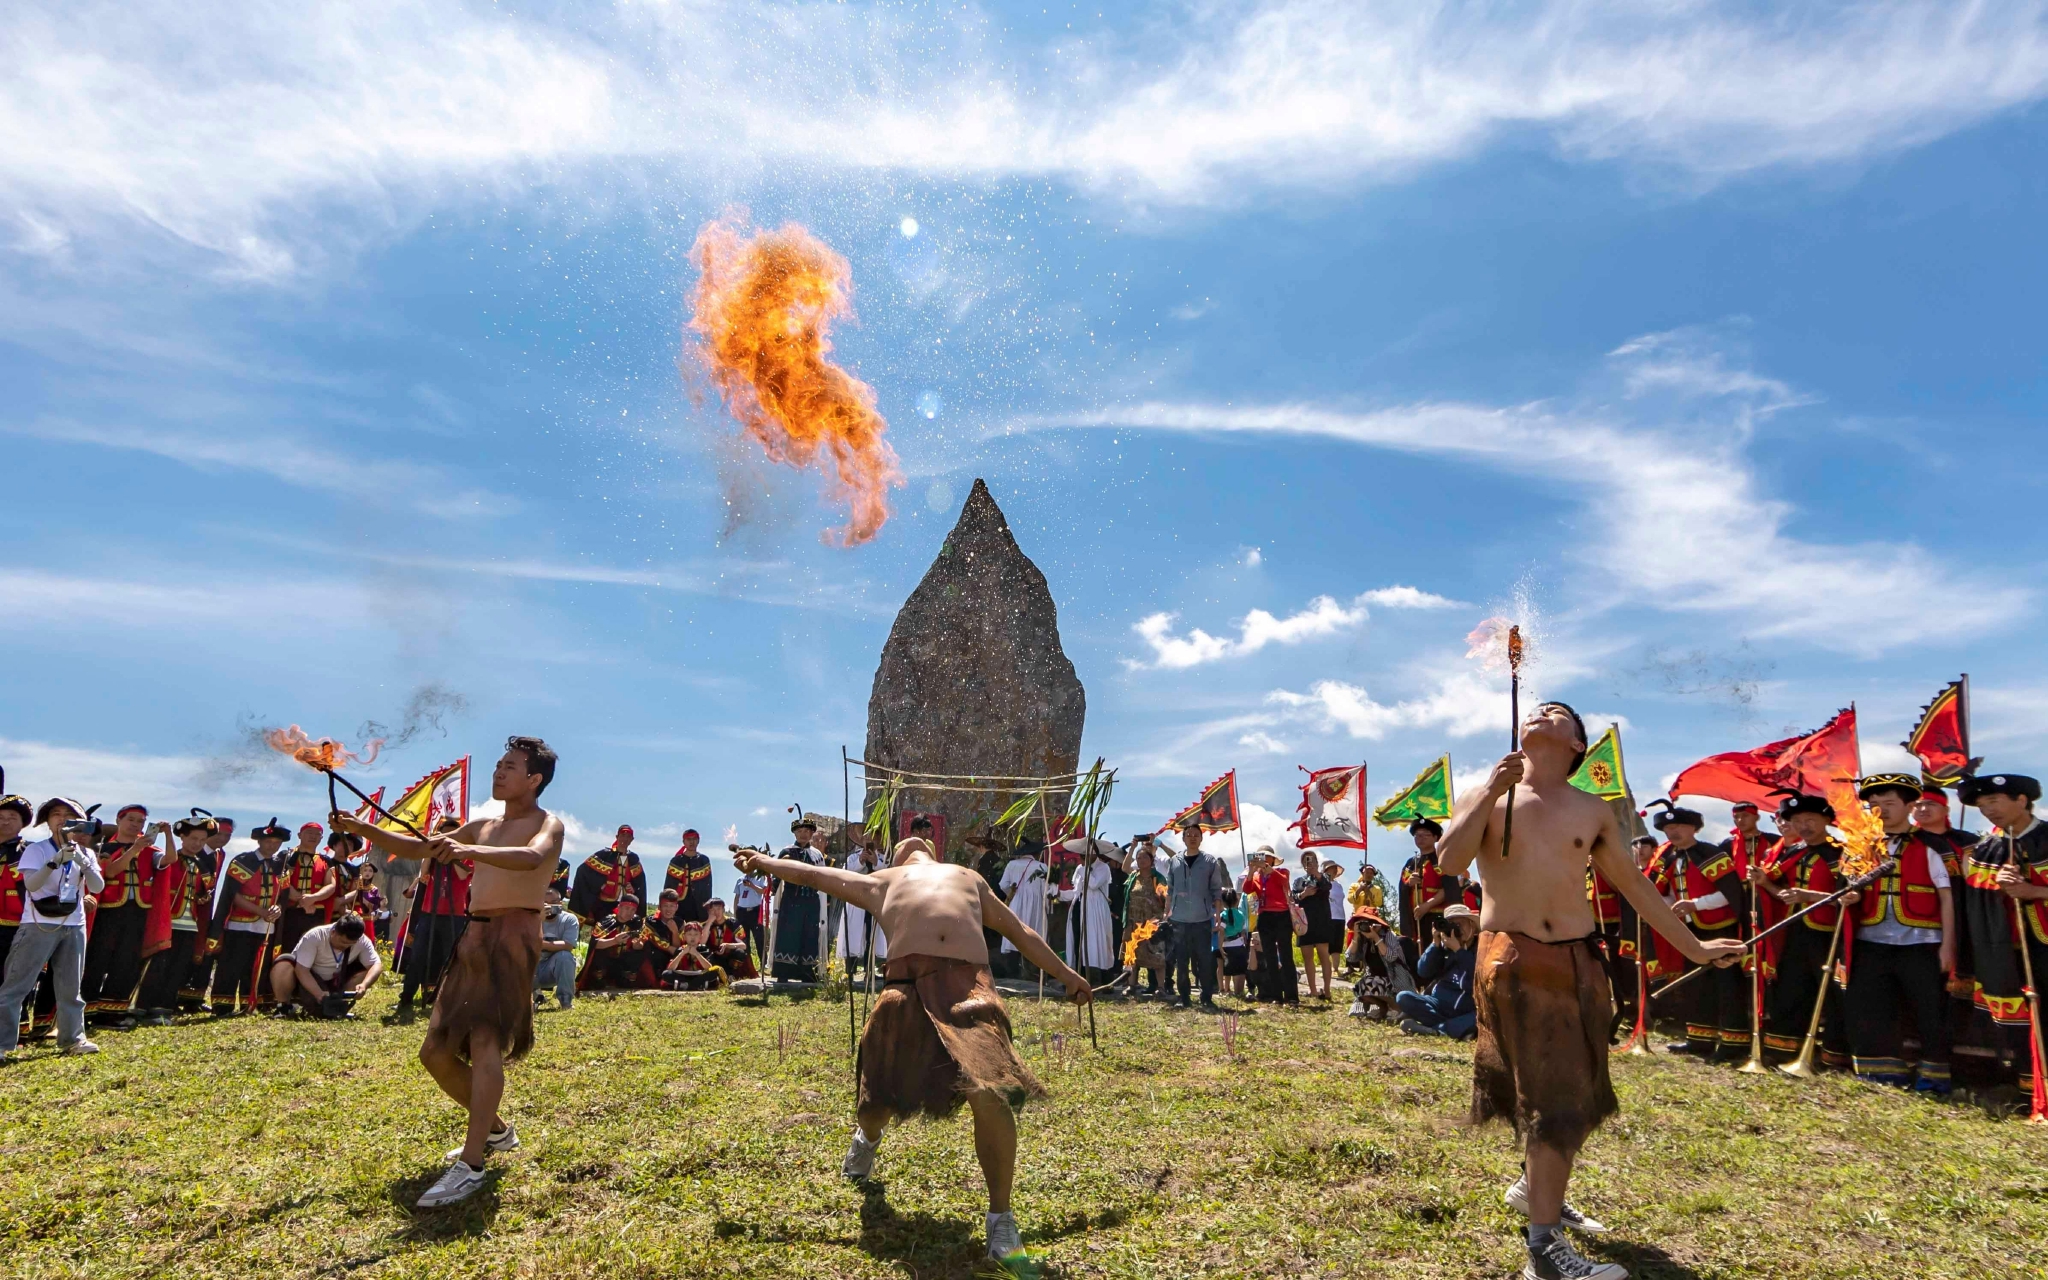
x,y
1601,772
1429,796
444,793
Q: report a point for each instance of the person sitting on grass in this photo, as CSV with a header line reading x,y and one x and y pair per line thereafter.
x,y
938,1035
1447,1008
620,956
559,932
725,942
331,960
690,969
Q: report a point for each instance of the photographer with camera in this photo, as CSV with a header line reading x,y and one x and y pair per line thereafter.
x,y
56,875
1447,1008
329,969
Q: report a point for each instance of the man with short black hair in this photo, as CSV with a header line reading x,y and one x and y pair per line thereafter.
x,y
113,947
607,876
332,965
1905,945
689,877
1195,882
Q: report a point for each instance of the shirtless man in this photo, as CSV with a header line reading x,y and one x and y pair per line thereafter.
x,y
938,1034
1540,983
483,1014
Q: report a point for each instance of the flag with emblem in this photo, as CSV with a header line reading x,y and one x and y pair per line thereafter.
x,y
444,793
1332,810
1429,796
1217,809
1601,772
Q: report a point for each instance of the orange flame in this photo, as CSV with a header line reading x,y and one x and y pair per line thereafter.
x,y
764,308
1136,936
324,754
1864,844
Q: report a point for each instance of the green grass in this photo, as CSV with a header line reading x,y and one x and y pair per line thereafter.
x,y
670,1137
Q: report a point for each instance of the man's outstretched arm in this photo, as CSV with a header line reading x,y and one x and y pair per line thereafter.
x,y
862,890
995,914
1611,860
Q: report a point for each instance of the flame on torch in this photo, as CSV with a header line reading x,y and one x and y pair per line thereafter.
x,y
1864,844
763,312
324,754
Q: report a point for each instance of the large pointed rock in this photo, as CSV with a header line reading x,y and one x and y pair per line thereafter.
x,y
973,681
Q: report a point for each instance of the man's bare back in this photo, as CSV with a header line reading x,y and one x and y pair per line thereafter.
x,y
926,907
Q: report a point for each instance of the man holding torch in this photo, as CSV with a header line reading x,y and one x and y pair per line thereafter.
x,y
1540,983
483,1013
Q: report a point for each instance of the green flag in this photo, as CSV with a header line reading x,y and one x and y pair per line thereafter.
x,y
1601,772
1429,796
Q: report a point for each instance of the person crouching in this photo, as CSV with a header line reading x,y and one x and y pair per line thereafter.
x,y
328,971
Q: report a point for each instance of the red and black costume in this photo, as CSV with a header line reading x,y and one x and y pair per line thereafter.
x,y
1991,924
1422,880
726,944
689,876
604,878
180,935
1801,955
1893,958
1615,920
439,918
628,966
1717,1019
238,923
113,947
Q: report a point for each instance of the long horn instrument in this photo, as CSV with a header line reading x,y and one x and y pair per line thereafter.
x,y
1755,1064
1860,882
1802,1066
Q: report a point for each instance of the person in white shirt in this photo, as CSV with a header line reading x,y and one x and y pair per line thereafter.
x,y
750,911
1092,949
330,959
56,875
854,926
1023,887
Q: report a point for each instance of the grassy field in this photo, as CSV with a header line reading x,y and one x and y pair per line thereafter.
x,y
701,1136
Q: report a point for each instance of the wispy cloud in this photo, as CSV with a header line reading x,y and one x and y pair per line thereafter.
x,y
294,461
362,111
1256,630
1463,704
1714,541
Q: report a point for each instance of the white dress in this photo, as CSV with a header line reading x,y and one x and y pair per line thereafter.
x,y
1099,940
1023,887
853,923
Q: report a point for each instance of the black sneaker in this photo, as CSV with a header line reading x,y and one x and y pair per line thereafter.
x,y
1555,1259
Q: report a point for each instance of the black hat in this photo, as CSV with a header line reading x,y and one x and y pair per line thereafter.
x,y
2017,785
1907,785
200,820
21,806
801,823
43,810
271,830
1796,803
347,839
1674,816
1430,825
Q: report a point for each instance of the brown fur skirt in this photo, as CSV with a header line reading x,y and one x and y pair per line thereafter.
x,y
1541,1060
489,983
937,1033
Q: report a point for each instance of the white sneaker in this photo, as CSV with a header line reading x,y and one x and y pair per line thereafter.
x,y
1004,1241
505,1139
859,1164
78,1048
459,1183
1517,1197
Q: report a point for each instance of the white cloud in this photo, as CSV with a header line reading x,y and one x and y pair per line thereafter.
x,y
1322,618
1713,540
297,462
307,124
40,595
1264,743
1464,703
1408,598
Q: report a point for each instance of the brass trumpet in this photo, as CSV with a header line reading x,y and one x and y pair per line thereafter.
x,y
1802,1066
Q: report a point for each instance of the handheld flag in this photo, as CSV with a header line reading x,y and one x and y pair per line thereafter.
x,y
1333,809
1217,809
441,794
1942,738
1825,763
1429,796
1601,773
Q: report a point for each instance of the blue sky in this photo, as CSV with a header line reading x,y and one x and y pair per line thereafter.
x,y
341,352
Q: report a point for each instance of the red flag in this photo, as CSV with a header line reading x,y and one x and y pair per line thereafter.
x,y
1825,762
1942,738
1217,808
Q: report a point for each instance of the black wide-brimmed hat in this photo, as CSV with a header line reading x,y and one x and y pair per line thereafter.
x,y
271,830
1798,802
2017,785
1430,825
1906,785
200,820
1672,815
